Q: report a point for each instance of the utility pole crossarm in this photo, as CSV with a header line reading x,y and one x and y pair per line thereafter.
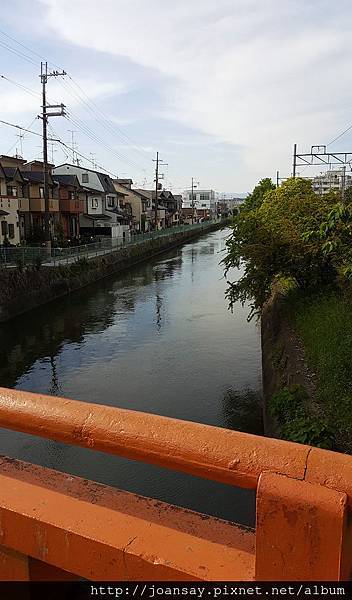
x,y
44,75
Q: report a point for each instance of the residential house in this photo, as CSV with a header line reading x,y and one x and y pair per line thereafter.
x,y
138,202
104,213
72,202
9,219
161,210
172,207
34,191
16,187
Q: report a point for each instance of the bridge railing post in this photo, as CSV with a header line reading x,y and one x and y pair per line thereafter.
x,y
300,530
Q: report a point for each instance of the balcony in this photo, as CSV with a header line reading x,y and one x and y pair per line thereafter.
x,y
68,205
23,204
38,205
303,517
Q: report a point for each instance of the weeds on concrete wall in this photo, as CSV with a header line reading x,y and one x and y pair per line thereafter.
x,y
290,407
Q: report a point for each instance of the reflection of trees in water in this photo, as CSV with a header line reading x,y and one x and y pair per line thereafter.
x,y
158,310
243,411
43,332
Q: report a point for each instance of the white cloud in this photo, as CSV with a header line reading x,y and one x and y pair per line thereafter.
x,y
260,75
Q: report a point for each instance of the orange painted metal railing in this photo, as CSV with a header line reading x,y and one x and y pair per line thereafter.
x,y
55,526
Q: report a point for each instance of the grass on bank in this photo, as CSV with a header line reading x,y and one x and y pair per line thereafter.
x,y
323,322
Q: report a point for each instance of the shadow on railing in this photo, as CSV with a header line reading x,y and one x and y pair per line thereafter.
x,y
57,526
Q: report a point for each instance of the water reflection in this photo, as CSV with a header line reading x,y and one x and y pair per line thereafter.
x,y
158,338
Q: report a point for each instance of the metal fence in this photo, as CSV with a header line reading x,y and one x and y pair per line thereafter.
x,y
25,255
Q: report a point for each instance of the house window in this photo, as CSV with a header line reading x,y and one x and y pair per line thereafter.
x,y
204,197
41,192
11,231
204,205
111,201
11,191
73,195
94,203
85,178
4,228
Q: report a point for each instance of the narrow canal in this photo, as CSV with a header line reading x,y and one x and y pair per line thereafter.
x,y
158,339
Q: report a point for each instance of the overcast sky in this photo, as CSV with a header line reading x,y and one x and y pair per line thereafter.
x,y
221,88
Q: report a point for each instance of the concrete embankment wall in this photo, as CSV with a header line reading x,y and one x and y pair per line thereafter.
x,y
283,360
21,291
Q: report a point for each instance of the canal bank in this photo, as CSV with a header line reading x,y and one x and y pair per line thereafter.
x,y
157,338
26,287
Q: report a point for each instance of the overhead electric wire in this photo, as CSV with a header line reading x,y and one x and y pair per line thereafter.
x,y
18,53
82,126
21,86
109,121
106,123
23,129
103,120
59,141
339,136
97,139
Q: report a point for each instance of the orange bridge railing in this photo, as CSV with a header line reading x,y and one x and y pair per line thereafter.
x,y
57,526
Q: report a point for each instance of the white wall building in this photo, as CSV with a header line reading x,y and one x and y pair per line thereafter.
x,y
333,180
203,199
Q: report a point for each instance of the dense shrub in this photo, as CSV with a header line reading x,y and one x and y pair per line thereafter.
x,y
275,235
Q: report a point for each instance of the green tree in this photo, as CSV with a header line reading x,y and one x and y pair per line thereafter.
x,y
269,240
256,198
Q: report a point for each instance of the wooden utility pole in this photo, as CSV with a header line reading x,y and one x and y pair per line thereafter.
x,y
45,115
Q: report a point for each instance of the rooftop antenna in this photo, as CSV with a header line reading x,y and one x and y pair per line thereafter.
x,y
20,136
73,147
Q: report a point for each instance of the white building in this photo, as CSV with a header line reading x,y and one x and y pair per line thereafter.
x,y
333,180
202,199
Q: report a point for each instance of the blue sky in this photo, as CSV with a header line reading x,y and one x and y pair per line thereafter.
x,y
222,89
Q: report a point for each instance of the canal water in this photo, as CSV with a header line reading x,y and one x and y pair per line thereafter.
x,y
158,338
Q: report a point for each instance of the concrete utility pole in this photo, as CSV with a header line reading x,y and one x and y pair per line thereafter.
x,y
343,187
158,162
294,160
45,115
192,196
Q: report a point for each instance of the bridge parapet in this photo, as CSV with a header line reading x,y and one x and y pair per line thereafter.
x,y
55,525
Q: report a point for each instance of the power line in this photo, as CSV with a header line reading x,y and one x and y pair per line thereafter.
x,y
19,85
103,120
340,135
22,129
82,126
59,141
23,46
18,53
97,139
